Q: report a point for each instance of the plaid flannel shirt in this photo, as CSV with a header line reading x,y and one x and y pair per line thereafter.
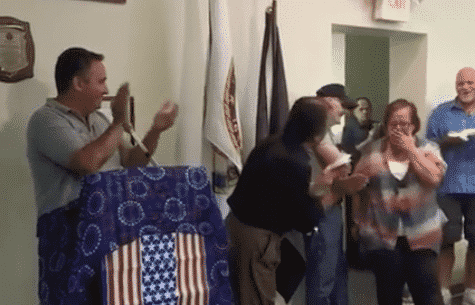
x,y
379,222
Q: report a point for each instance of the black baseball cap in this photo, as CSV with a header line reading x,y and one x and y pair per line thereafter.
x,y
337,90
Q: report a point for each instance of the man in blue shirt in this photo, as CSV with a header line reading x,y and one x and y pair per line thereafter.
x,y
456,195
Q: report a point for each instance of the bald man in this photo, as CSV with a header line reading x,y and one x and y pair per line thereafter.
x,y
456,195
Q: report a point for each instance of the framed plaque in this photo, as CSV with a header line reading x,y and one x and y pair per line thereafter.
x,y
108,1
17,53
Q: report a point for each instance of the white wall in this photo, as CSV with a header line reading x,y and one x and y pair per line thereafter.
x,y
148,42
408,54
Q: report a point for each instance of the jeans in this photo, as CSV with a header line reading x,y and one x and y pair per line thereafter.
x,y
326,272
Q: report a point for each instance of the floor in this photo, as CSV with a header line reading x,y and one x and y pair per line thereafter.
x,y
361,291
361,284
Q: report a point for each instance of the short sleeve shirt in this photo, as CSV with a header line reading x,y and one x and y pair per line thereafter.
x,y
460,159
54,133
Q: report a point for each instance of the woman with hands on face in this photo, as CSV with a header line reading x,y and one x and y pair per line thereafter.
x,y
398,219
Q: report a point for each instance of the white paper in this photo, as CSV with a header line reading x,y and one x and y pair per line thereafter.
x,y
344,159
464,134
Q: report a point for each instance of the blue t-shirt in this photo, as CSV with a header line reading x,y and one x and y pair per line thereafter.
x,y
460,159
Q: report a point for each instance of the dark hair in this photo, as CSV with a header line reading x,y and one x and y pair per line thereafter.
x,y
307,119
366,99
400,104
72,62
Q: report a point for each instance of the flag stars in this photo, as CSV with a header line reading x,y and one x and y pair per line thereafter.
x,y
158,276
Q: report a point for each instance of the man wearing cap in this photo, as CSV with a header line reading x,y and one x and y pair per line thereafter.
x,y
326,263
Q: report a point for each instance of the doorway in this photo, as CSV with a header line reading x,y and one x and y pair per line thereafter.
x,y
383,65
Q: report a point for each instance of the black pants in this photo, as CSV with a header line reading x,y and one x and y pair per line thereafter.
x,y
394,268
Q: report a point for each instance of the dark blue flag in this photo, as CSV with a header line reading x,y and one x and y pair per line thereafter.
x,y
279,99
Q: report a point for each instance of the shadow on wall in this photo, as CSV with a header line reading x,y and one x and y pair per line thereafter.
x,y
18,255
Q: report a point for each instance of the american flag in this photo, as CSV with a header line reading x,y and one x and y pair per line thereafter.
x,y
157,269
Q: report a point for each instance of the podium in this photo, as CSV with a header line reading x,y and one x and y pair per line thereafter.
x,y
141,209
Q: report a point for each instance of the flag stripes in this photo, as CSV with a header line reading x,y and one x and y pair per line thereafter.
x,y
122,268
193,287
158,269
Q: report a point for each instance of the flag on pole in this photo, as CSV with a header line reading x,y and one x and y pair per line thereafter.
x,y
279,100
222,126
291,270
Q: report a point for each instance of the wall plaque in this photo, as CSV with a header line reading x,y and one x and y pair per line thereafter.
x,y
17,52
109,1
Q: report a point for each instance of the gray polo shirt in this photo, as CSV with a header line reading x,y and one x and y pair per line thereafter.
x,y
54,133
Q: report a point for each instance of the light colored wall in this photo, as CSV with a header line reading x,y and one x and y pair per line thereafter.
x,y
408,54
148,43
367,70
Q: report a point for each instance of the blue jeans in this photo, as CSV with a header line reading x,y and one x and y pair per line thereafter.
x,y
394,268
326,272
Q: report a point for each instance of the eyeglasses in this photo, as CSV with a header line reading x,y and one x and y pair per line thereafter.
x,y
400,124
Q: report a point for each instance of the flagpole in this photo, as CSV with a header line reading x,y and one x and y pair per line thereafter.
x,y
274,26
274,11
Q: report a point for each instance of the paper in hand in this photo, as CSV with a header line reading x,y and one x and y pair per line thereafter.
x,y
464,134
343,160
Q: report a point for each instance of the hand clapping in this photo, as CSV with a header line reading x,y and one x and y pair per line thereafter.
x,y
119,105
166,116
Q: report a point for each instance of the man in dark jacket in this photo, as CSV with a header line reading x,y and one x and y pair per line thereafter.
x,y
271,198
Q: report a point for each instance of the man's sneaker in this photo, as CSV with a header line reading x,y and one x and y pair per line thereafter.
x,y
468,297
407,297
447,296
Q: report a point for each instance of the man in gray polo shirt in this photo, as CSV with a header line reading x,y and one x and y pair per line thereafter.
x,y
67,138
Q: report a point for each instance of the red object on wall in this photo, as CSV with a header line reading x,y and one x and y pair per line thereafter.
x,y
392,10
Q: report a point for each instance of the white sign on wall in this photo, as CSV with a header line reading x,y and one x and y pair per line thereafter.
x,y
392,10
